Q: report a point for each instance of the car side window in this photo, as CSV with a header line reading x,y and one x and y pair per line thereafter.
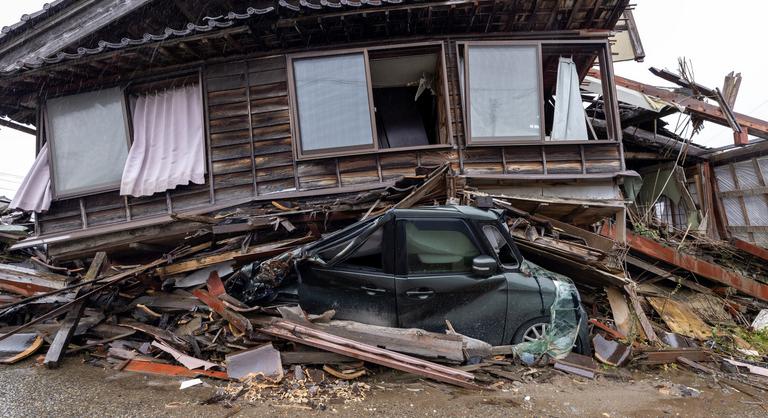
x,y
369,255
439,246
501,246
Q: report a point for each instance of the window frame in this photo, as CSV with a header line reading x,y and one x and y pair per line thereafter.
x,y
126,88
301,155
466,97
51,139
613,128
401,249
510,241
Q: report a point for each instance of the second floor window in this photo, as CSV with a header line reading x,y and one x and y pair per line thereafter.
x,y
89,135
370,100
504,94
333,102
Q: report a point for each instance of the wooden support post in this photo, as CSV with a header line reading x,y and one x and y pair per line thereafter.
x,y
741,138
68,326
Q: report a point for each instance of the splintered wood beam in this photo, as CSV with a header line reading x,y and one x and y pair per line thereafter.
x,y
69,325
694,107
692,264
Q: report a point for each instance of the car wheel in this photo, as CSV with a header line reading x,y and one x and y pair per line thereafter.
x,y
536,329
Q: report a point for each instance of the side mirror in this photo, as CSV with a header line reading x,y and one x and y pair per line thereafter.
x,y
484,265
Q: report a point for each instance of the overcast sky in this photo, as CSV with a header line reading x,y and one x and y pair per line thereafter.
x,y
716,39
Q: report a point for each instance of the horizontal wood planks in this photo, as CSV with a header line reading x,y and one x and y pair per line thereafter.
x,y
251,149
251,153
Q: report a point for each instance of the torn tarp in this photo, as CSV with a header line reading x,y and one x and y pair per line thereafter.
x,y
565,315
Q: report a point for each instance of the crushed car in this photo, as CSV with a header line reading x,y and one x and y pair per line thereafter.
x,y
438,267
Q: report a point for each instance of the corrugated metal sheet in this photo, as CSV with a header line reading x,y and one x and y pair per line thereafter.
x,y
724,178
733,211
747,175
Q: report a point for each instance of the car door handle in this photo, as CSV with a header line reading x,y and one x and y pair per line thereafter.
x,y
421,293
373,290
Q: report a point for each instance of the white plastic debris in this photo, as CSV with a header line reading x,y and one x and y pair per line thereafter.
x,y
189,383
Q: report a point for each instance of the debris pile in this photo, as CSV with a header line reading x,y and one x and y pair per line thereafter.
x,y
223,305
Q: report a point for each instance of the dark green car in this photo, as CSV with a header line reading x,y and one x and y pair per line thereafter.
x,y
417,268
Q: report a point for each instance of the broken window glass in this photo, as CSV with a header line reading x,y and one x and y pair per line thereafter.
x,y
504,96
89,141
333,103
443,246
369,254
501,246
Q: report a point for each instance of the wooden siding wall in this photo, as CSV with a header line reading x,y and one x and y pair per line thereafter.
x,y
251,154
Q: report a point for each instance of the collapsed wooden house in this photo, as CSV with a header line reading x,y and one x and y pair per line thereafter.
x,y
147,109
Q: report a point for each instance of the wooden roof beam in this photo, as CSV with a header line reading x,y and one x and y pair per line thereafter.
x,y
694,107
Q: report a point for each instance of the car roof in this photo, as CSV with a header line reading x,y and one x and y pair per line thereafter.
x,y
457,211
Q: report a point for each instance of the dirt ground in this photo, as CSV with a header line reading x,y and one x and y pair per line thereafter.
x,y
78,389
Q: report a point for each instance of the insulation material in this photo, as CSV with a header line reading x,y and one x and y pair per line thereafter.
x,y
733,211
747,175
724,178
757,210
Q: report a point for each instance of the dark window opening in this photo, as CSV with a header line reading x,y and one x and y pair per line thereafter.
x,y
407,97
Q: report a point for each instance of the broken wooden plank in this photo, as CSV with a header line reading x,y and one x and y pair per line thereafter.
x,y
151,367
205,261
313,357
665,356
66,331
663,274
693,264
622,316
645,324
28,282
308,336
693,106
750,248
238,321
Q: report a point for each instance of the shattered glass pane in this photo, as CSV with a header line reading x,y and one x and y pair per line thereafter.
x,y
565,314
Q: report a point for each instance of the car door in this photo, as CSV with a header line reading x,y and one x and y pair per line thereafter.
x,y
435,282
525,298
359,287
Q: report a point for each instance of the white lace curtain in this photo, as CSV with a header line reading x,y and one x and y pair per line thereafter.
x,y
168,147
34,194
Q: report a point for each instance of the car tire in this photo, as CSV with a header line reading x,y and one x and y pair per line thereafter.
x,y
530,329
